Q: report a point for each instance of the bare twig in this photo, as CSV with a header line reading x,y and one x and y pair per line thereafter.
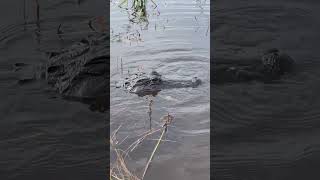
x,y
152,154
150,112
119,170
168,119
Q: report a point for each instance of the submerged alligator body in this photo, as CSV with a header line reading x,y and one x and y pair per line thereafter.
x,y
78,72
143,84
272,66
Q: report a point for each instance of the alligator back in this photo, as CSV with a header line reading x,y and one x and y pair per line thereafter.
x,y
78,71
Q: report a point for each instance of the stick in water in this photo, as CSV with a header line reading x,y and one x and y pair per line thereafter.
x,y
168,120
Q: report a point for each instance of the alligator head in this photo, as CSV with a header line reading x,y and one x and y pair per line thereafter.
x,y
142,84
271,66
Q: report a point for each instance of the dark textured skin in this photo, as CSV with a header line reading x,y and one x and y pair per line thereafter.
x,y
271,66
79,72
150,85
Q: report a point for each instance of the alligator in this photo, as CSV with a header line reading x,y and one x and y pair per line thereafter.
x,y
272,65
78,72
144,84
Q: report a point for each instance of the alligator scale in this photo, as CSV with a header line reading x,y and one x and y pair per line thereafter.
x,y
78,72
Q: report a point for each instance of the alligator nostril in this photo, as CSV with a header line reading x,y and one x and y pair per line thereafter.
x,y
52,69
84,41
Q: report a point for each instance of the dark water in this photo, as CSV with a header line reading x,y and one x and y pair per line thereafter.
x,y
176,44
43,136
267,131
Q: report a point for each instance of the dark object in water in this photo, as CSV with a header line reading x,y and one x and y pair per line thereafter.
x,y
143,84
79,72
271,66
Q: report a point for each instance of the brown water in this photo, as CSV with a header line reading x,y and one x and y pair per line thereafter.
x,y
43,136
175,43
267,131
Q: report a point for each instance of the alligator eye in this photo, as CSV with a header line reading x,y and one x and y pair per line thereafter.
x,y
52,69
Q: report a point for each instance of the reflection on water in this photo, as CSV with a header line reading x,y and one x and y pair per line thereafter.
x,y
175,43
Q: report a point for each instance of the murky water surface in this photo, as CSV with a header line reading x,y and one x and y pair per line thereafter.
x,y
267,131
175,43
43,136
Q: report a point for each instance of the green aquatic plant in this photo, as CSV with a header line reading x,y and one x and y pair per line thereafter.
x,y
138,9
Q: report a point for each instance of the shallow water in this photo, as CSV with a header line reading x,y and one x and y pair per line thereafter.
x,y
175,43
43,136
267,131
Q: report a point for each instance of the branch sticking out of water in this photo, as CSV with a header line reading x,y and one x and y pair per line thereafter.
x,y
150,111
38,14
119,169
59,31
24,14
